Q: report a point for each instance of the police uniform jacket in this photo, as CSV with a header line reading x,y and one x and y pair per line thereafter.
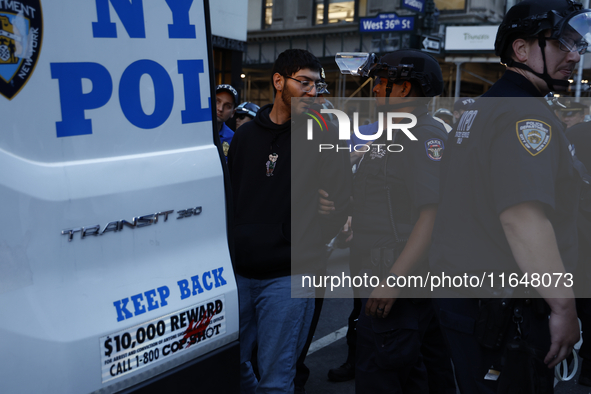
x,y
580,136
226,135
411,175
508,148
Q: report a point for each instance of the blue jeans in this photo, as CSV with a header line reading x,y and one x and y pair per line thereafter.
x,y
278,325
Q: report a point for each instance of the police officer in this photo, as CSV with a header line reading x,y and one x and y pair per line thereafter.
x,y
508,204
580,136
226,101
460,107
395,201
572,114
444,115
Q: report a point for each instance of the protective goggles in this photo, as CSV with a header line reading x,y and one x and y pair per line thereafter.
x,y
574,32
384,70
366,65
242,116
355,63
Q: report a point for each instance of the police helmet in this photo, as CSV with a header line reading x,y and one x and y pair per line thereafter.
x,y
443,112
571,108
567,22
463,104
247,108
410,65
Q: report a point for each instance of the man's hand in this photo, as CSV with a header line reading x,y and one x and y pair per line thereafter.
x,y
564,332
325,206
533,243
348,230
381,300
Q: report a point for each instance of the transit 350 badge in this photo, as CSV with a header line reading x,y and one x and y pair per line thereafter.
x,y
534,135
21,31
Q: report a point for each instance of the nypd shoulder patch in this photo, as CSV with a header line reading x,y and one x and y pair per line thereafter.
x,y
534,135
434,148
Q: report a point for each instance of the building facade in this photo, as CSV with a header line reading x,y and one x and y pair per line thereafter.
x,y
228,29
459,33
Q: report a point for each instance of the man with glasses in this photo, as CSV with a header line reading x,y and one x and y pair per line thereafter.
x,y
265,193
508,206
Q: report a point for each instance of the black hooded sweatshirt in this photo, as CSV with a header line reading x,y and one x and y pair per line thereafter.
x,y
267,240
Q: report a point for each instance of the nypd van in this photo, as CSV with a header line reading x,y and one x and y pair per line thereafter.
x,y
115,274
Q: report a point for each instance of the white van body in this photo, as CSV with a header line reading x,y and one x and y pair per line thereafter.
x,y
114,265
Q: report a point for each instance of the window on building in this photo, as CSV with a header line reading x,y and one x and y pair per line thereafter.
x,y
222,60
450,5
334,11
267,14
388,42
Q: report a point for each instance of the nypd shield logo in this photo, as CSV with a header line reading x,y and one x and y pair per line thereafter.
x,y
21,29
534,135
434,148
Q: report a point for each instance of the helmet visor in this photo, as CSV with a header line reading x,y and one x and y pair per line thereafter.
x,y
575,34
355,63
402,71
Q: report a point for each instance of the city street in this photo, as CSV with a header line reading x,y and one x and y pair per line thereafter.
x,y
329,347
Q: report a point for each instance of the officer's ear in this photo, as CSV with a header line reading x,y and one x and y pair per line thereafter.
x,y
521,50
278,81
406,88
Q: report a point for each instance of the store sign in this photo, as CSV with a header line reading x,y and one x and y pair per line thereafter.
x,y
386,22
470,38
228,43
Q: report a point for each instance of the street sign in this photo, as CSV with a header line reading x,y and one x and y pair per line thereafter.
x,y
386,22
414,5
431,44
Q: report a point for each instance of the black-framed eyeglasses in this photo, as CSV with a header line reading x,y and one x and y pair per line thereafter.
x,y
569,45
308,85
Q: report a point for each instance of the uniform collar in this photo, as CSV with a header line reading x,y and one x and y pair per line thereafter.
x,y
420,110
513,84
225,131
